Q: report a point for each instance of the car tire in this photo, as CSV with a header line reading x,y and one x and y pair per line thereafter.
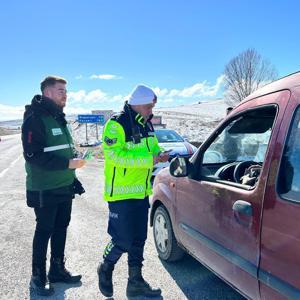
x,y
164,238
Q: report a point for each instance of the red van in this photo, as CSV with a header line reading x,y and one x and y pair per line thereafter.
x,y
235,205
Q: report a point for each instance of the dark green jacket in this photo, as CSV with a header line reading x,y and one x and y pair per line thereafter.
x,y
47,146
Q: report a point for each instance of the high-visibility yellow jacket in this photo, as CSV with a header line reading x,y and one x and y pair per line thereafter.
x,y
129,147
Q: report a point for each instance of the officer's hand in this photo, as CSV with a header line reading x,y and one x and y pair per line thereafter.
x,y
156,160
76,163
164,156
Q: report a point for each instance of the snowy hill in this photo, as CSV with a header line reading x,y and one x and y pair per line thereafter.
x,y
194,121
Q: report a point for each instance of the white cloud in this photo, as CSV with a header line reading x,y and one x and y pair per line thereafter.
x,y
118,98
79,77
83,97
105,76
8,112
200,89
95,96
173,93
160,92
191,93
77,110
77,96
83,101
168,100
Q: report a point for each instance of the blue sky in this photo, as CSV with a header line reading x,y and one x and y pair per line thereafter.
x,y
105,48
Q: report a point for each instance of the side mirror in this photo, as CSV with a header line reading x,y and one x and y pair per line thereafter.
x,y
185,138
178,167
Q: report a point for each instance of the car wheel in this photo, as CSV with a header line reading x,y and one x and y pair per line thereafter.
x,y
165,241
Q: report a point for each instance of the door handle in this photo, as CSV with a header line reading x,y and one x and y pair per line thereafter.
x,y
242,207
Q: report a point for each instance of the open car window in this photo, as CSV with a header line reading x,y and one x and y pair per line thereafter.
x,y
243,141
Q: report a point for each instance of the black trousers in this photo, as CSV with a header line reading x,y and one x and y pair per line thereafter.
x,y
51,223
127,226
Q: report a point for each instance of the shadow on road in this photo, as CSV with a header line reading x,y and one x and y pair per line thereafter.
x,y
197,282
59,288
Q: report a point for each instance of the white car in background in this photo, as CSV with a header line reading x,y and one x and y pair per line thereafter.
x,y
169,139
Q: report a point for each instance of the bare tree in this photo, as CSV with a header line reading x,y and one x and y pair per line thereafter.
x,y
244,74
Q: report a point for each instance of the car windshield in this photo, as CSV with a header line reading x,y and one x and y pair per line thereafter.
x,y
168,136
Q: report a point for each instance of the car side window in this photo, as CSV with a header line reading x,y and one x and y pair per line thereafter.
x,y
289,175
229,147
238,152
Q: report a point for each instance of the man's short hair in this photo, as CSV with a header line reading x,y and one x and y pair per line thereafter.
x,y
51,80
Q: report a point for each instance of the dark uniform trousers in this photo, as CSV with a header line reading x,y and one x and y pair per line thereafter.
x,y
127,226
51,222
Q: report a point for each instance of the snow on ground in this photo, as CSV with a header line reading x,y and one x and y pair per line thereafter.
x,y
81,137
194,121
208,109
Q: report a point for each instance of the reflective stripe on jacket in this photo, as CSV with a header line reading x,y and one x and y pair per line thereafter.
x,y
58,142
128,165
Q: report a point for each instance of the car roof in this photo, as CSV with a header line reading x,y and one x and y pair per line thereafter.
x,y
285,83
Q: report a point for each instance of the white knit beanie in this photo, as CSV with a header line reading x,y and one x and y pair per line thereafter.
x,y
140,95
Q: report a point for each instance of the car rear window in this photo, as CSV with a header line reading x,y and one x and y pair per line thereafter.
x,y
168,136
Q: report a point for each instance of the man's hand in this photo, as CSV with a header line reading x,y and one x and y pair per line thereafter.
x,y
76,163
155,160
162,157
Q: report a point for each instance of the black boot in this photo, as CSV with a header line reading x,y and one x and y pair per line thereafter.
x,y
105,271
137,286
39,282
58,272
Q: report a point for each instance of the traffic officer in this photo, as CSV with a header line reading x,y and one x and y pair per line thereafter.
x,y
130,151
50,182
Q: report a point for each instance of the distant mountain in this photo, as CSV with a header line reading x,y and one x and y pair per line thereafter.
x,y
12,124
195,121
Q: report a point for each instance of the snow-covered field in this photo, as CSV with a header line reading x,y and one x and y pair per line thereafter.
x,y
194,121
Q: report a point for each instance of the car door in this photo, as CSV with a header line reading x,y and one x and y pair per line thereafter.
x,y
218,219
279,271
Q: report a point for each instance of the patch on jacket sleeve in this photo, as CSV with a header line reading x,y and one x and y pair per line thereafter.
x,y
109,141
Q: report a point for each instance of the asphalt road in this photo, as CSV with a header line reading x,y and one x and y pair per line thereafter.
x,y
87,237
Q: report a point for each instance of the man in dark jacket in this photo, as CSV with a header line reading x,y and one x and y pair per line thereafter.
x,y
50,182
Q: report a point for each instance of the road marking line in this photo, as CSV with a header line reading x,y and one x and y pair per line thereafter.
x,y
11,165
